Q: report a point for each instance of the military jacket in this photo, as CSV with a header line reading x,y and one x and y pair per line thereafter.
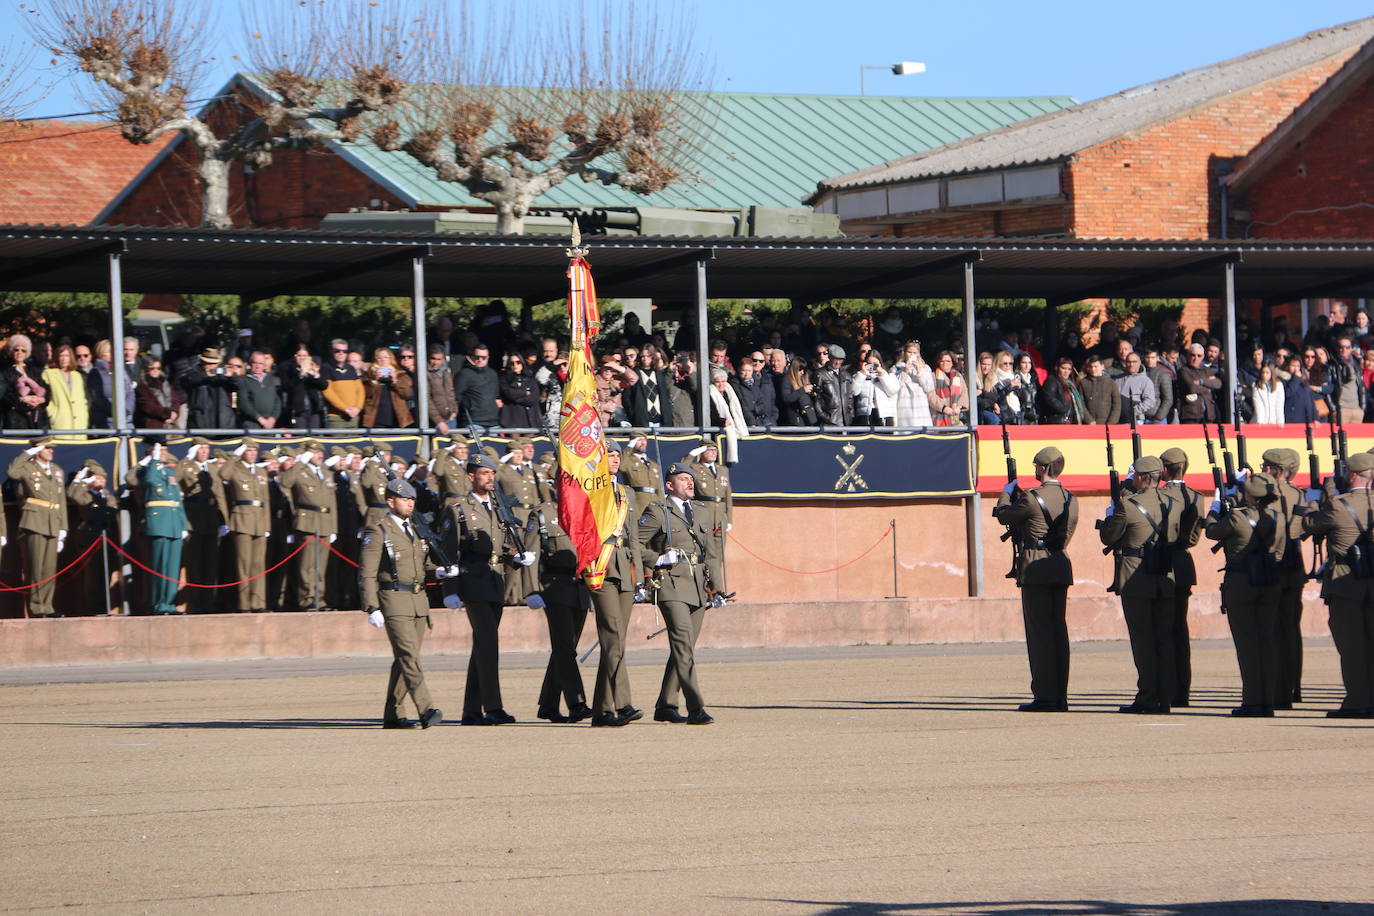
x,y
559,578
451,476
642,477
1189,530
41,495
1040,563
346,499
247,499
202,494
521,488
372,482
473,536
164,515
84,503
313,499
1246,530
625,566
1342,520
393,570
662,526
1128,530
1293,504
713,493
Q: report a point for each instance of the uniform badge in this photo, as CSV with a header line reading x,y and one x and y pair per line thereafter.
x,y
367,540
646,519
244,485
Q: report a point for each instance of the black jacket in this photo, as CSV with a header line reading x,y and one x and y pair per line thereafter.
x,y
208,397
476,389
756,401
635,399
520,401
798,407
304,396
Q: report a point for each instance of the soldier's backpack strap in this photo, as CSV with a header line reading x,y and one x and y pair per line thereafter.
x,y
1055,524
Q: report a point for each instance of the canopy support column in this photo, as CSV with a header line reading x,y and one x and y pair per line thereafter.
x,y
417,300
973,507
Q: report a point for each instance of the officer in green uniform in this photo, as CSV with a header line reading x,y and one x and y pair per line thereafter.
x,y
199,480
1293,504
1042,521
392,572
473,535
247,498
373,482
614,602
516,478
672,532
1195,505
91,511
1347,522
40,490
164,525
1140,529
450,471
640,473
1254,537
311,489
715,503
565,600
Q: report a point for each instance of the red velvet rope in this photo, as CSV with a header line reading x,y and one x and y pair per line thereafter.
x,y
812,572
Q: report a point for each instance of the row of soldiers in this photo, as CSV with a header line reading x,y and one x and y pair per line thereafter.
x,y
1151,528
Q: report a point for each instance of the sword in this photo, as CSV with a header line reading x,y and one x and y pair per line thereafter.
x,y
851,472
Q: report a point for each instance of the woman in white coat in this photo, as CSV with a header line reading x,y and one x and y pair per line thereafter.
x,y
1267,397
915,382
875,392
726,412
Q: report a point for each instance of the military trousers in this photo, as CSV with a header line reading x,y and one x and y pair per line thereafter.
x,y
1183,646
201,554
482,692
407,635
613,608
312,563
1047,641
1149,621
1352,630
40,562
1253,614
250,557
1290,634
684,626
165,556
562,676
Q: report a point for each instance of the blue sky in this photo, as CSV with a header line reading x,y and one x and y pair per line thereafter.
x,y
1076,48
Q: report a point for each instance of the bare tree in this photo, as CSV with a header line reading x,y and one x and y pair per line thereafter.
x,y
512,110
332,65
17,86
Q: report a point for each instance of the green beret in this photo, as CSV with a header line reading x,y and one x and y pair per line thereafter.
x,y
1047,456
94,467
515,444
248,443
1262,486
1273,456
199,441
1291,459
1361,462
1148,464
336,452
353,450
1174,456
41,441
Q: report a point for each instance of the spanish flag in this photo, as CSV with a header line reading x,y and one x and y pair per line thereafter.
x,y
589,508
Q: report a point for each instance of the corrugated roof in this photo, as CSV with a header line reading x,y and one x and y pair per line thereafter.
x,y
1055,136
65,171
768,150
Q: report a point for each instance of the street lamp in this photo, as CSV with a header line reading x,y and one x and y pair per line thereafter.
x,y
901,68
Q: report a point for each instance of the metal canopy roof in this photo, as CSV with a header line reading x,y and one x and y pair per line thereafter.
x,y
262,263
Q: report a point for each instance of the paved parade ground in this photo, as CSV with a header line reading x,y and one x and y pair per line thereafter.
x,y
850,781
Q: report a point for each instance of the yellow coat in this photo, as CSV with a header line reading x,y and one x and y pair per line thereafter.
x,y
67,409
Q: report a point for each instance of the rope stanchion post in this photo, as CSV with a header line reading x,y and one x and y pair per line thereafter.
x,y
896,591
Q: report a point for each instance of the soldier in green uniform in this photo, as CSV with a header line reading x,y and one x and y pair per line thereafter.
x,y
247,497
516,478
1293,504
91,511
640,473
715,503
614,602
40,490
310,486
565,600
164,525
199,485
1140,529
392,572
1347,522
1042,521
473,535
450,471
1253,536
674,534
281,581
1194,505
373,482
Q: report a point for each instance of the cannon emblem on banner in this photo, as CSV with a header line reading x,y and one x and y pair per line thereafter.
x,y
850,479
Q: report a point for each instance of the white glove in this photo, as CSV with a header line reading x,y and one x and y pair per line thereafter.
x,y
535,600
446,572
333,538
3,541
717,600
526,558
1130,473
1242,475
290,539
185,535
376,619
157,452
453,602
32,451
1010,488
641,595
223,530
1190,398
267,534
729,527
61,541
668,557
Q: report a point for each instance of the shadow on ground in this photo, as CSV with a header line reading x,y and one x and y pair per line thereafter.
x,y
1267,907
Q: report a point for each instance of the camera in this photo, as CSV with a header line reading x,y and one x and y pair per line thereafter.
x,y
219,370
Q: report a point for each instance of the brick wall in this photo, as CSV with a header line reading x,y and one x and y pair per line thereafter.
x,y
969,224
1332,167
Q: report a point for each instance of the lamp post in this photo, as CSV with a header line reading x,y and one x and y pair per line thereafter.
x,y
901,68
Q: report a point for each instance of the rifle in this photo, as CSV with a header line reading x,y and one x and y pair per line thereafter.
x,y
1226,457
1313,468
1113,481
1241,460
1339,456
1135,437
427,506
509,523
1011,479
1006,450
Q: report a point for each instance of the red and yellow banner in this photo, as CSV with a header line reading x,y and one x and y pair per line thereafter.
x,y
587,505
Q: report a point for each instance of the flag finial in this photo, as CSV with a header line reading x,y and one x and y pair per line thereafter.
x,y
576,251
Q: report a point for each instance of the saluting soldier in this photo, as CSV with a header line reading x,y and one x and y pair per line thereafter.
x,y
247,497
199,485
93,506
164,525
672,532
450,471
545,469
1347,521
1191,520
1292,504
392,572
39,488
1140,530
310,486
564,599
641,474
373,483
715,504
1253,536
1042,521
516,478
473,534
614,602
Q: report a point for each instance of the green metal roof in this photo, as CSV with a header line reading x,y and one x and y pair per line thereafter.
x,y
768,150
